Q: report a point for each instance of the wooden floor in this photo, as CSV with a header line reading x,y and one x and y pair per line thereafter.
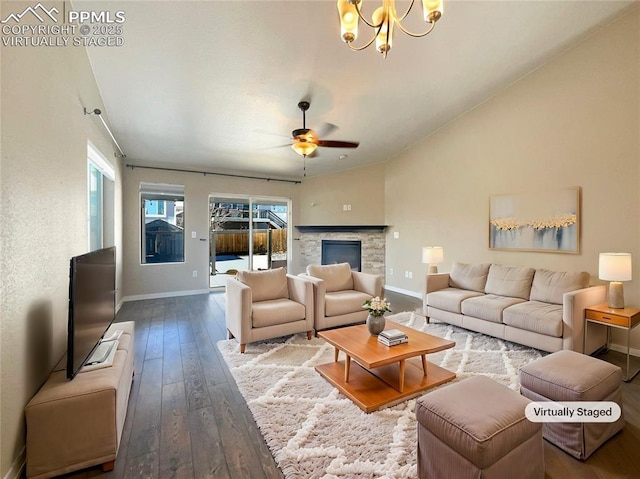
x,y
186,418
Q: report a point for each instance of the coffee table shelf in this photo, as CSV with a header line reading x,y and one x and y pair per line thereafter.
x,y
380,375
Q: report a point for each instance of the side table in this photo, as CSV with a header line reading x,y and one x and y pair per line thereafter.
x,y
621,318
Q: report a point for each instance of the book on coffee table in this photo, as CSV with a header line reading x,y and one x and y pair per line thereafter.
x,y
392,342
393,334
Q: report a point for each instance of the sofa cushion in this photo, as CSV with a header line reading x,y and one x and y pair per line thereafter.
x,y
543,318
337,277
488,307
344,302
276,311
509,281
265,285
550,286
449,299
469,276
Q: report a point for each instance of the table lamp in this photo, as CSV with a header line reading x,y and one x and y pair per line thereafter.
x,y
615,267
432,255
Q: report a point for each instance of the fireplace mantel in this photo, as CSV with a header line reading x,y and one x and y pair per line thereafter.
x,y
341,228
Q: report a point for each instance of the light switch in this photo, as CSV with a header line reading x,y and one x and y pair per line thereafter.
x,y
396,234
194,234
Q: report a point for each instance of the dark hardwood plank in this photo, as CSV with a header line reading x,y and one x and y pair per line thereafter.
x,y
206,445
175,441
145,432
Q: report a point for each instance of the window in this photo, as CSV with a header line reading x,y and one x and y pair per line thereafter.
x,y
162,212
101,177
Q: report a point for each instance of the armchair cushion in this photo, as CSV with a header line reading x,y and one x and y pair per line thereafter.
x,y
337,277
276,311
266,285
344,302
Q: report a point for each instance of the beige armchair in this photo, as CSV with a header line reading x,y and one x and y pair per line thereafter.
x,y
268,304
338,294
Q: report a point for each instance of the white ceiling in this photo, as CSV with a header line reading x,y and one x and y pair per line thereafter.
x,y
214,85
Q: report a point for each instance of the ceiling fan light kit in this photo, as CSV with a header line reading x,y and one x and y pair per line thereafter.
x,y
383,20
305,140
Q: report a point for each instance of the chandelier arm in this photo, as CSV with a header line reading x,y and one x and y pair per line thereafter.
x,y
416,35
367,21
357,49
399,19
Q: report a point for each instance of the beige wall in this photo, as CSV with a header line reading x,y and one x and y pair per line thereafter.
x,y
43,214
573,122
322,198
160,279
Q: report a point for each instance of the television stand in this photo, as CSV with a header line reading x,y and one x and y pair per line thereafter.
x,y
78,423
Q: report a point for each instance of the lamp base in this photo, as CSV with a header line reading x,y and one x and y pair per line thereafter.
x,y
615,298
433,269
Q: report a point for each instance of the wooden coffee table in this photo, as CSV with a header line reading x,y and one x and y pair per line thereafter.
x,y
374,379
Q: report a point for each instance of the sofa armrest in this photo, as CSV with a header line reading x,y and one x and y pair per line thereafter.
x,y
301,291
367,283
238,308
573,306
434,282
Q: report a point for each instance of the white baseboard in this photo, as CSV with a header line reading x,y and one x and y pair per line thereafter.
x,y
406,292
17,468
623,349
169,294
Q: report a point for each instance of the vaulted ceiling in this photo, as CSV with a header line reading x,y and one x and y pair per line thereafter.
x,y
214,85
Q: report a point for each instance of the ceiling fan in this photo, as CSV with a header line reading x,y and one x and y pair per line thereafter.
x,y
305,140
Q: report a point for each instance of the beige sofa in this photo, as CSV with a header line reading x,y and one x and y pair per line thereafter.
x,y
534,307
338,294
268,304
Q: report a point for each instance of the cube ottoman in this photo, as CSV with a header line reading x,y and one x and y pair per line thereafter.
x,y
477,428
571,376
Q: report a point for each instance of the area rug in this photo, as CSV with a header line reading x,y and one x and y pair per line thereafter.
x,y
315,432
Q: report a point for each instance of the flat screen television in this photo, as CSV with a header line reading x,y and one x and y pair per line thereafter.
x,y
92,304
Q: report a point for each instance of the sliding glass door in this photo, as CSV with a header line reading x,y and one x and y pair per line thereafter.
x,y
246,233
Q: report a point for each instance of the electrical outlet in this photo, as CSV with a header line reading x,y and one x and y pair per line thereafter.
x,y
391,271
410,274
406,274
344,207
195,273
348,207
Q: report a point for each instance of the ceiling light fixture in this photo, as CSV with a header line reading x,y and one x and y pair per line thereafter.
x,y
384,18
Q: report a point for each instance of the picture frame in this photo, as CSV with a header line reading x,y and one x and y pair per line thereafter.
x,y
541,221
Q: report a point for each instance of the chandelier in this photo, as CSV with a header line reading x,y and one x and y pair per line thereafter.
x,y
383,20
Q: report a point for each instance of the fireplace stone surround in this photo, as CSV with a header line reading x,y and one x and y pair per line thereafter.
x,y
372,238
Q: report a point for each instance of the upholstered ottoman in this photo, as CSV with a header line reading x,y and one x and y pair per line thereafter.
x,y
477,428
570,376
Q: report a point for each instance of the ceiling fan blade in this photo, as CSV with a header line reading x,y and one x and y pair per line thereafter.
x,y
338,144
326,129
276,146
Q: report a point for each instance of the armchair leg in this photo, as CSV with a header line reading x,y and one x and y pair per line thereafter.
x,y
309,335
242,347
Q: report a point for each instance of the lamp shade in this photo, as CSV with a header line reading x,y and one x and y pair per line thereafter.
x,y
432,254
614,267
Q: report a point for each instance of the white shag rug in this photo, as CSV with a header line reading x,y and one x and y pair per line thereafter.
x,y
315,432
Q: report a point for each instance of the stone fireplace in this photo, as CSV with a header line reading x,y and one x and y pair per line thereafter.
x,y
371,238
